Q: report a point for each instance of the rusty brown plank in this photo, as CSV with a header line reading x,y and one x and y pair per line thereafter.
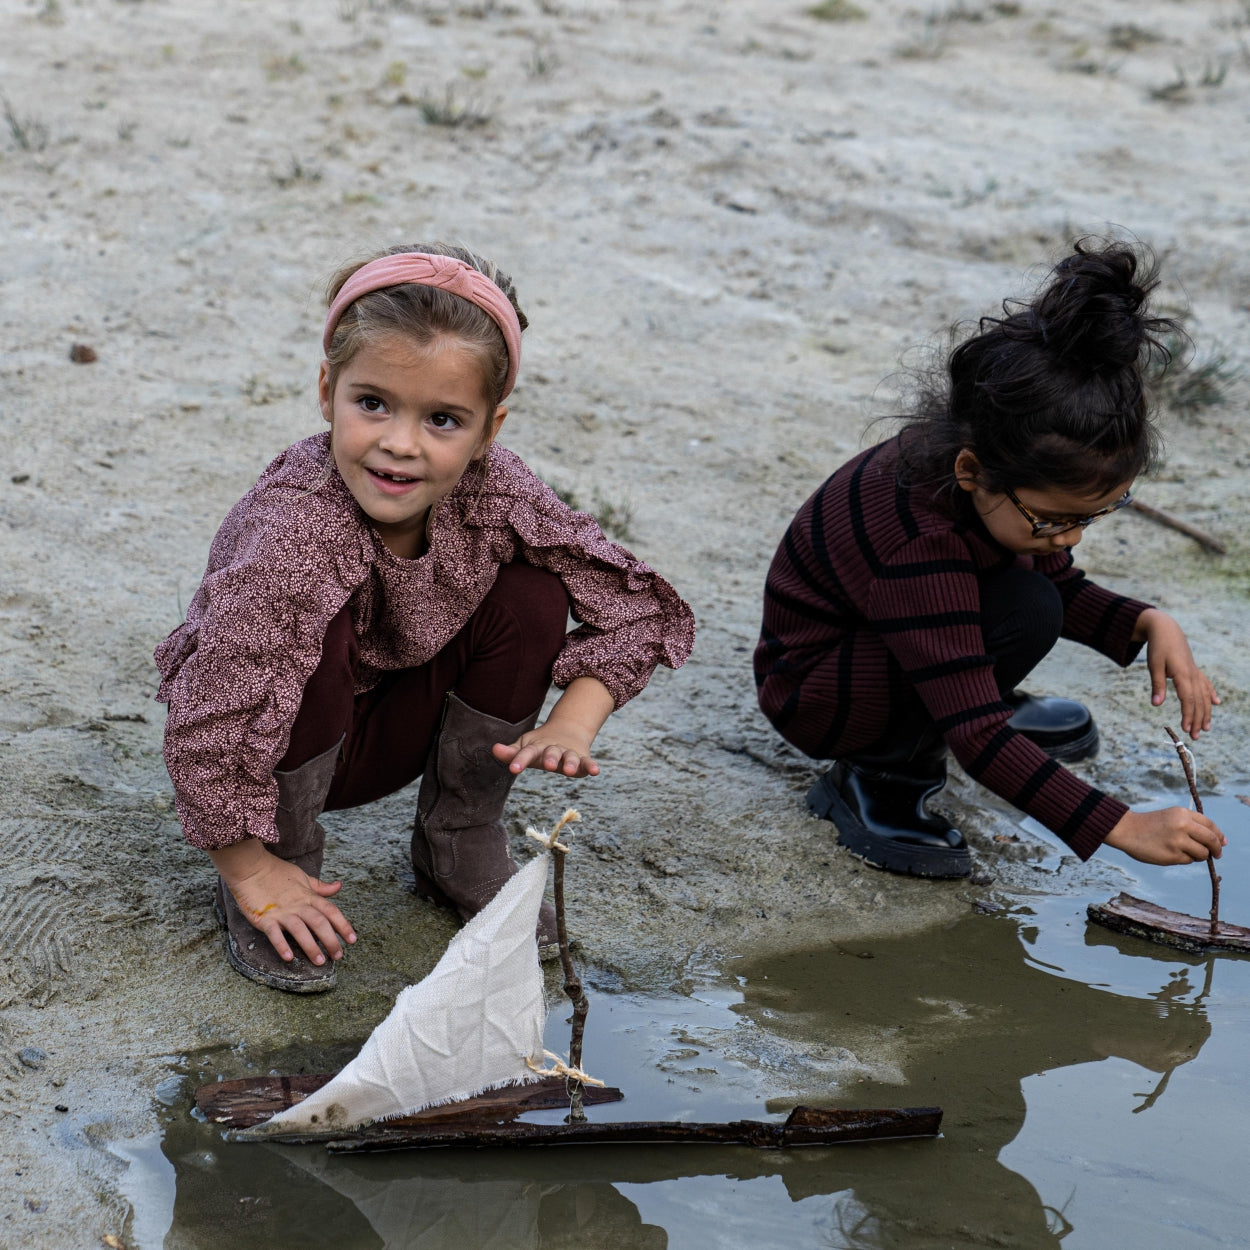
x,y
1136,916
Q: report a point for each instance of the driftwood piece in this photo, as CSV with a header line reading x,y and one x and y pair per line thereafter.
x,y
805,1126
1201,537
1126,914
254,1099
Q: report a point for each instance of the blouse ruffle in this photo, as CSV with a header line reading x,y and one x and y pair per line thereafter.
x,y
297,548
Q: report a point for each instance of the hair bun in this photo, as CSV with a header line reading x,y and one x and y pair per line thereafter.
x,y
1092,312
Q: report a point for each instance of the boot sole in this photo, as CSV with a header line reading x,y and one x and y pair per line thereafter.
x,y
292,985
1082,748
916,861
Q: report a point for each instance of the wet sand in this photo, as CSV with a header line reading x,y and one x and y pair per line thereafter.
x,y
726,229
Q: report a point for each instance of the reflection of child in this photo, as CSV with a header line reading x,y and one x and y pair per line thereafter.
x,y
928,576
391,601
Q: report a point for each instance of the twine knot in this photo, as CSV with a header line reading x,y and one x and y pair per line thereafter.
x,y
551,840
560,1067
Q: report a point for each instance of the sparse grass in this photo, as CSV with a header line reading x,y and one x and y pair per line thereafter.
x,y
277,67
1193,381
126,130
51,13
836,11
466,112
396,73
295,173
541,63
616,520
1128,36
29,133
1176,90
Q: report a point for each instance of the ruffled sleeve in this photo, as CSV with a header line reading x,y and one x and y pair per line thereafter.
x,y
631,619
285,561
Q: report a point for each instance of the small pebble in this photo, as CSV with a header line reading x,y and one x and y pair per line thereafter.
x,y
32,1057
81,354
60,1106
18,478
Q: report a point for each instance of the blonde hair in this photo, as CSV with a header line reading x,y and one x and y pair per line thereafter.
x,y
424,314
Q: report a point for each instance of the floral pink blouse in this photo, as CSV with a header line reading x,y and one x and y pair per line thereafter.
x,y
297,547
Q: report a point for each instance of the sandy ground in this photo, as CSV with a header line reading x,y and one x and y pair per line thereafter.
x,y
727,223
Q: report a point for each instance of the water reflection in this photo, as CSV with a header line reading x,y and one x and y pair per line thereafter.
x,y
966,1015
1063,1055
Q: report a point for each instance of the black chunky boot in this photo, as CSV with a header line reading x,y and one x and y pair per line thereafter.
x,y
1063,728
877,801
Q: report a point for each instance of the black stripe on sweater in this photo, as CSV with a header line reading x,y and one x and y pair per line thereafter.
x,y
968,715
929,620
1084,809
948,668
1027,792
991,750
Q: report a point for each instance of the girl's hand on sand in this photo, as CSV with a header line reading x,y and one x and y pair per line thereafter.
x,y
1168,656
563,744
1173,835
280,899
554,747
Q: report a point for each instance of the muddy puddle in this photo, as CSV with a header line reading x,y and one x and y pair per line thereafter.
x,y
1094,1087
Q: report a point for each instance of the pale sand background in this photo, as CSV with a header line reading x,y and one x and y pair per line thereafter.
x,y
727,222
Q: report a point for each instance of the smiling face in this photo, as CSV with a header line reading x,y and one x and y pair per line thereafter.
x,y
1008,525
406,421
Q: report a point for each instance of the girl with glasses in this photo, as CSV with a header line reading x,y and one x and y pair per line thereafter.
x,y
923,581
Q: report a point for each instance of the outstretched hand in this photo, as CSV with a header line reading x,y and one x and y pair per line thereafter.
x,y
1172,835
553,747
281,899
1168,656
563,744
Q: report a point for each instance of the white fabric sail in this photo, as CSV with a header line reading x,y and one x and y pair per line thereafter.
x,y
468,1027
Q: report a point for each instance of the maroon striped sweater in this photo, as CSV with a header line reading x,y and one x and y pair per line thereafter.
x,y
874,590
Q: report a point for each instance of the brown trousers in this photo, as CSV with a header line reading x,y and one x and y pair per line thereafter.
x,y
499,663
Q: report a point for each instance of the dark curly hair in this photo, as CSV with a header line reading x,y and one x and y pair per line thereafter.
x,y
1052,393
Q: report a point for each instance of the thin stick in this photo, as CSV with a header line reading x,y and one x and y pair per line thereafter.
x,y
1183,752
1201,537
572,984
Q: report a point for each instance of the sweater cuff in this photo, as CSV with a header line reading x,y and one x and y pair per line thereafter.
x,y
1089,834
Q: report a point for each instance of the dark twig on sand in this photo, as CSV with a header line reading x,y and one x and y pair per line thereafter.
x,y
1187,765
1201,537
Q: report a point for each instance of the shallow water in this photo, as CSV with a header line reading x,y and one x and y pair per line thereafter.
x,y
1093,1085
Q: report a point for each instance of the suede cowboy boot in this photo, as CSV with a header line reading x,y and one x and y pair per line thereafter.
x,y
877,801
460,851
301,797
1063,728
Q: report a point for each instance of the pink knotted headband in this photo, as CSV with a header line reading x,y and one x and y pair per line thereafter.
x,y
444,272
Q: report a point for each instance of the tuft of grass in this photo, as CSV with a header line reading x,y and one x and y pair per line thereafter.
x,y
616,520
284,66
126,130
1128,36
452,110
396,73
295,173
1191,382
541,63
836,11
29,133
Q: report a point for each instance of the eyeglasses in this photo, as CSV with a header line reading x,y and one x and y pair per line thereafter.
x,y
1048,529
